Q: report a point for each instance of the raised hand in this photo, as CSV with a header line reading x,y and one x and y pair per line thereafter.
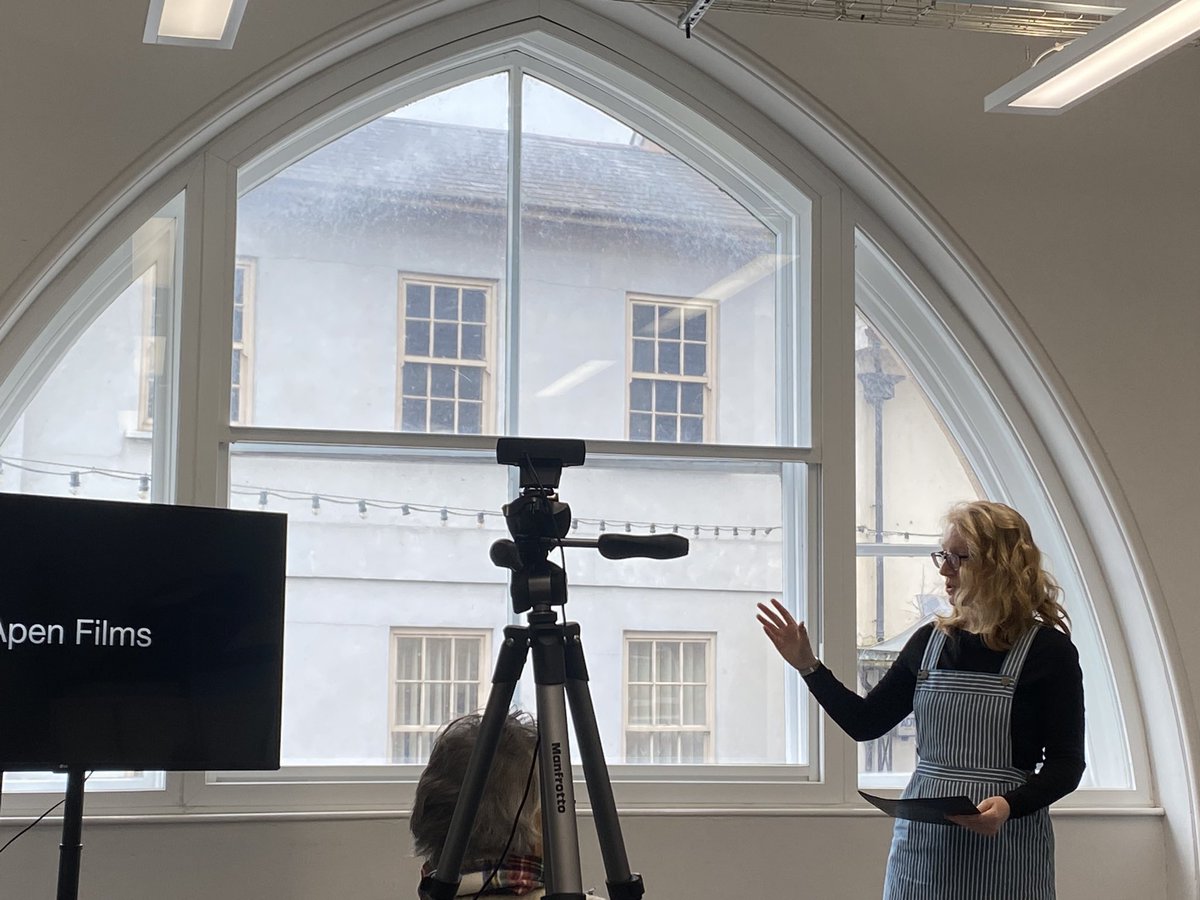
x,y
789,636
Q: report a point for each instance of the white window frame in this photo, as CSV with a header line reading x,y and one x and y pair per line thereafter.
x,y
707,380
482,637
1062,490
709,642
485,366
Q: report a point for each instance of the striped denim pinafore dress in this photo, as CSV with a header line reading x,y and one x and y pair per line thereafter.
x,y
964,746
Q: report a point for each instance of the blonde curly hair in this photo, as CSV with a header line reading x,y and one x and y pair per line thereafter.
x,y
1002,587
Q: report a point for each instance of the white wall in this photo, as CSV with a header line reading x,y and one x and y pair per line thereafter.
x,y
702,857
1088,222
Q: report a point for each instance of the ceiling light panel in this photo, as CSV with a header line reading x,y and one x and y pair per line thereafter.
x,y
196,23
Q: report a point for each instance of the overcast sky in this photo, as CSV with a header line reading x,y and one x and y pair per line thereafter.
x,y
546,110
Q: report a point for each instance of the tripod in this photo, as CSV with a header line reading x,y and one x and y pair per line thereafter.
x,y
538,523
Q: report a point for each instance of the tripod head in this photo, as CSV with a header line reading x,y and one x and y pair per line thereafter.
x,y
539,522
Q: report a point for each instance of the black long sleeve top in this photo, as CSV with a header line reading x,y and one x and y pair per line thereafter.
x,y
1047,712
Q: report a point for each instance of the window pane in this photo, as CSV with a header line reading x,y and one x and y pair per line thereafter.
x,y
637,747
441,416
409,699
90,428
691,398
668,323
643,356
445,303
668,700
470,418
606,193
416,337
416,379
902,494
413,416
438,659
666,747
709,590
474,306
97,407
694,661
666,661
668,357
354,581
445,340
693,747
409,659
472,342
441,382
437,704
641,394
640,708
921,469
464,699
466,660
643,321
336,236
666,396
417,301
695,705
640,661
470,382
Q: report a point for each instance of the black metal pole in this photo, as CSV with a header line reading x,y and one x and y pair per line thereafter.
x,y
71,848
880,632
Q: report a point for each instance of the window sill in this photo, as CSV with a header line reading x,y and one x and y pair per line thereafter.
x,y
216,818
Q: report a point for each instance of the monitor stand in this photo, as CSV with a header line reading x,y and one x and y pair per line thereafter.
x,y
71,848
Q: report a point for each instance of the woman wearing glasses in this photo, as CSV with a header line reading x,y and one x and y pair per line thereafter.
x,y
996,691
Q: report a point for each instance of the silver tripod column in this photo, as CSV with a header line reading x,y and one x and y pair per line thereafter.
x,y
560,831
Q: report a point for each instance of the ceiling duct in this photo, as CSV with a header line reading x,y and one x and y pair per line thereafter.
x,y
1046,19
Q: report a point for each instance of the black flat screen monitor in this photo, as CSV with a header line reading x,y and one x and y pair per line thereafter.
x,y
139,636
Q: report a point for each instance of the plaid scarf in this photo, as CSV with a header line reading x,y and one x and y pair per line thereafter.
x,y
518,875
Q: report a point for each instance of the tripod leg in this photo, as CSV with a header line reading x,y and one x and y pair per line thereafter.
x,y
444,881
622,884
560,832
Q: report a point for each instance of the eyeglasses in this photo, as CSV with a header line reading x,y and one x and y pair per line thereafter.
x,y
942,557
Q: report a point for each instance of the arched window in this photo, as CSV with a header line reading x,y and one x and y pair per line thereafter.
x,y
503,256
525,239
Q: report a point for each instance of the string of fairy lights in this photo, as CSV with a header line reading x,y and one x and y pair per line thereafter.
x,y
316,502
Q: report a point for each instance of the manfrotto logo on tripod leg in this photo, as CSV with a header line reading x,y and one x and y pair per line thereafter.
x,y
560,794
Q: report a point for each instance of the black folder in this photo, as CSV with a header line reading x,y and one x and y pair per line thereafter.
x,y
924,809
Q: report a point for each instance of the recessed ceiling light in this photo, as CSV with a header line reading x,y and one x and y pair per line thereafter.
x,y
195,23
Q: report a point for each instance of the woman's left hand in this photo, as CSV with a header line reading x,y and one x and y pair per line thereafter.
x,y
993,813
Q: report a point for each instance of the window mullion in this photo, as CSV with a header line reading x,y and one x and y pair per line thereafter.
x,y
509,325
206,338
